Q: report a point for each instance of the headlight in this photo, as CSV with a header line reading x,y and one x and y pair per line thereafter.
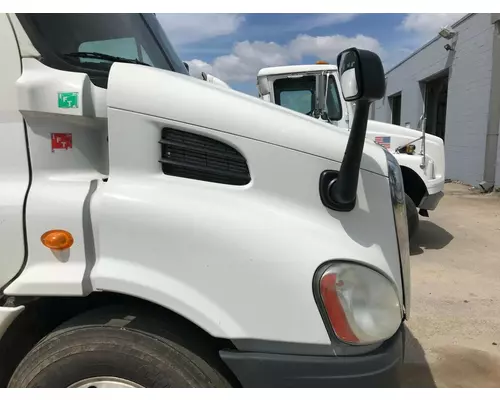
x,y
401,223
361,304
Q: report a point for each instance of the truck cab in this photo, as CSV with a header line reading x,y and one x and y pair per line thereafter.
x,y
157,230
420,155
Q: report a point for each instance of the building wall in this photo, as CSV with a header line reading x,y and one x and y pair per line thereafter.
x,y
492,172
468,93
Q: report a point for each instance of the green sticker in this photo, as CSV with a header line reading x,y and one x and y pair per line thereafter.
x,y
67,99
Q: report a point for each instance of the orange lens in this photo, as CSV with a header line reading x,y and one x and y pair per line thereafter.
x,y
334,309
57,239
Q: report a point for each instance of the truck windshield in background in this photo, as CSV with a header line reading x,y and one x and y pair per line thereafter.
x,y
298,94
127,36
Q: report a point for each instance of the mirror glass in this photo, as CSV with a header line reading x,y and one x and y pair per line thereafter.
x,y
348,76
349,83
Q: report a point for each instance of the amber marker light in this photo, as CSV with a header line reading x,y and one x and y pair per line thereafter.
x,y
57,239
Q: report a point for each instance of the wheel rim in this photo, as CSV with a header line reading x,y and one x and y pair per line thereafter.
x,y
101,382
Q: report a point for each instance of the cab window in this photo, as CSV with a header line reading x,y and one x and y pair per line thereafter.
x,y
132,36
301,101
298,94
123,47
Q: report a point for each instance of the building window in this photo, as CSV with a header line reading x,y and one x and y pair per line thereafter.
x,y
395,105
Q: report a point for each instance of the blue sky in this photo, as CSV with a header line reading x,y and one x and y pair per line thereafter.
x,y
234,47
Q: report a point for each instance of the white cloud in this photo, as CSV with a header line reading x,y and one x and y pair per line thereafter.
x,y
190,28
318,21
196,67
328,47
247,57
427,26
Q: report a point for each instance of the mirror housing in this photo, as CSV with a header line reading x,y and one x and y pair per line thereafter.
x,y
186,65
362,80
320,106
421,121
263,86
361,75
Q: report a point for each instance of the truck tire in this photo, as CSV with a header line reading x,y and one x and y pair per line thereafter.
x,y
117,351
412,217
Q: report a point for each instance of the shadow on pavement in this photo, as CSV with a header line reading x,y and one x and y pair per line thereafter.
x,y
416,371
430,236
453,366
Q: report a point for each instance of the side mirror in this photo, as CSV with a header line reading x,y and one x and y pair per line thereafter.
x,y
320,106
361,75
204,76
421,121
362,80
186,65
263,86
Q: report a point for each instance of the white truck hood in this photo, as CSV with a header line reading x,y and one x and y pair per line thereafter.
x,y
169,95
399,135
396,131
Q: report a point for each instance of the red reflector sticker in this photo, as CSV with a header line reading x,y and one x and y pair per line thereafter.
x,y
62,141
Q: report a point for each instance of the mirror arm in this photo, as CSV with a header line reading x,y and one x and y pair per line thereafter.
x,y
342,190
325,99
320,96
362,80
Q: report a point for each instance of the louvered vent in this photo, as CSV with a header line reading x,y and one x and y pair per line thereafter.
x,y
198,157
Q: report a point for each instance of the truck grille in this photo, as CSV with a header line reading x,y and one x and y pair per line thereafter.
x,y
192,156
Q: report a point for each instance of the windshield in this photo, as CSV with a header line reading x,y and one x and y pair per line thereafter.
x,y
131,36
298,94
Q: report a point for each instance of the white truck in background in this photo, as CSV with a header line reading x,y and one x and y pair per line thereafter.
x,y
421,156
159,231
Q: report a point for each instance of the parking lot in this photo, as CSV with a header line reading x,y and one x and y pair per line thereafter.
x,y
453,335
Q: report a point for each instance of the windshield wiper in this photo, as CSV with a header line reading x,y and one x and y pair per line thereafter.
x,y
102,56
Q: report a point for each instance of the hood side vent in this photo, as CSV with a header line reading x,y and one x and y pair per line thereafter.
x,y
193,156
